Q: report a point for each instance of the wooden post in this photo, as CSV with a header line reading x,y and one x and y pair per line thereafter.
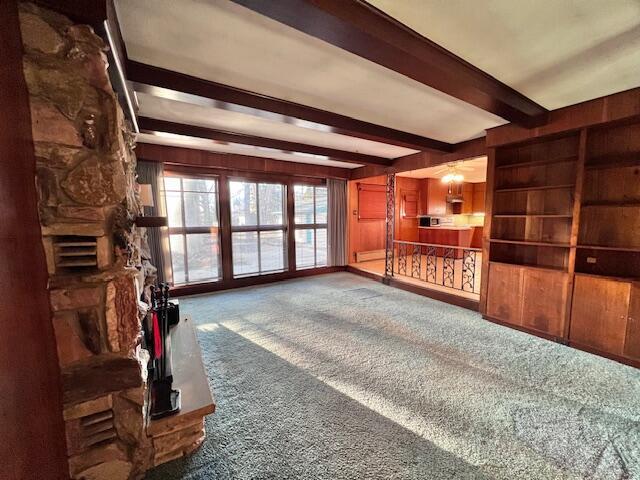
x,y
575,225
390,221
225,228
291,233
486,230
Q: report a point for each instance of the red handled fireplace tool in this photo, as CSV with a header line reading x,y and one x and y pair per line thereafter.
x,y
165,400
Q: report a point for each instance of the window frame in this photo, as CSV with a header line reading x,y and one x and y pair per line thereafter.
x,y
312,226
284,227
184,230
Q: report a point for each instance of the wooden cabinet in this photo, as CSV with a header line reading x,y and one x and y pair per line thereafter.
x,y
478,198
467,198
504,298
436,197
533,298
632,338
473,195
605,315
544,295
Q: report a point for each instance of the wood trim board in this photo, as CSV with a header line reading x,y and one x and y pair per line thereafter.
x,y
188,157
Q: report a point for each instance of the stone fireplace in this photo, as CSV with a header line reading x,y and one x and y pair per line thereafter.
x,y
97,259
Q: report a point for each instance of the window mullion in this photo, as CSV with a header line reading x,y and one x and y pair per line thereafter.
x,y
184,235
186,256
257,204
315,247
258,226
259,252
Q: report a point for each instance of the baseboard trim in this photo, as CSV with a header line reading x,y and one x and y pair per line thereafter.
x,y
610,356
370,255
566,343
530,331
184,290
424,291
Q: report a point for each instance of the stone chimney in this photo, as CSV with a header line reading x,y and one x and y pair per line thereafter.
x,y
98,268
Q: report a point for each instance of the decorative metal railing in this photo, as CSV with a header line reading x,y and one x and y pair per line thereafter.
x,y
445,265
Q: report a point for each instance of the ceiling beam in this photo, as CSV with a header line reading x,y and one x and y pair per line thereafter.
x,y
462,151
357,27
151,124
150,79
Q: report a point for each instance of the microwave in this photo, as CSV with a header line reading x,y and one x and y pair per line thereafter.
x,y
429,221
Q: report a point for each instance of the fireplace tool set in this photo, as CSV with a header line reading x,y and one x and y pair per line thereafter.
x,y
165,400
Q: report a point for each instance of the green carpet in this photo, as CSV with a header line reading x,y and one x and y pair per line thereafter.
x,y
340,377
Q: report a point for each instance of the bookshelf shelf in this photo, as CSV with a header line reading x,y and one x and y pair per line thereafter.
x,y
537,163
611,203
530,243
534,188
605,162
613,249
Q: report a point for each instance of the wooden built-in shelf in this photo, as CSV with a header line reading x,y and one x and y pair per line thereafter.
x,y
614,249
535,163
527,242
530,188
531,215
614,161
587,291
612,203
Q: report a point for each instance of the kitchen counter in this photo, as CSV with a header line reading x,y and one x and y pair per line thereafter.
x,y
469,236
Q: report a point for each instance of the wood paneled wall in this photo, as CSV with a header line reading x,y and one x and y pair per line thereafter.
x,y
406,228
30,398
188,157
612,108
364,235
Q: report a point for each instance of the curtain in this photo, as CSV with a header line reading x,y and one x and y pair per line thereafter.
x,y
158,238
337,222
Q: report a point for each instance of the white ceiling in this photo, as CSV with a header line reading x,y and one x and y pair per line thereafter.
x,y
207,116
221,147
474,170
556,52
220,41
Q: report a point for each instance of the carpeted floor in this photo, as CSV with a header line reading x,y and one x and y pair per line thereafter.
x,y
339,377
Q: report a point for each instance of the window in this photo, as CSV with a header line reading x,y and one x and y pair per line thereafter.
x,y
192,210
258,227
310,216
